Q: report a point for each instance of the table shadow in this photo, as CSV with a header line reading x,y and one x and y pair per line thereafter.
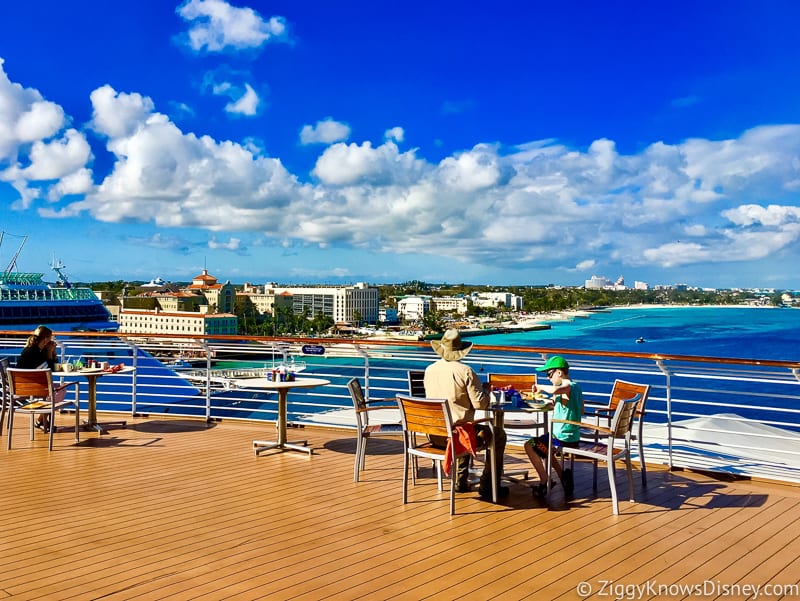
x,y
169,426
375,446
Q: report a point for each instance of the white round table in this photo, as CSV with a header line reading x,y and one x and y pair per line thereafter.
x,y
283,389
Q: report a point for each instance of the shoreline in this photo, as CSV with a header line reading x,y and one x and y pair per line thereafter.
x,y
542,321
651,306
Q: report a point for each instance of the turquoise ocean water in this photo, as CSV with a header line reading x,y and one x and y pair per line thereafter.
x,y
745,333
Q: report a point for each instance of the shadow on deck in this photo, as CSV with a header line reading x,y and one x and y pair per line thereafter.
x,y
175,509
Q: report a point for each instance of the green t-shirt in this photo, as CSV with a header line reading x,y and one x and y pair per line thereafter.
x,y
573,411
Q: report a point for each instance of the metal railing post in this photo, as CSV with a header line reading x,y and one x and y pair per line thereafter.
x,y
667,377
134,363
365,355
204,346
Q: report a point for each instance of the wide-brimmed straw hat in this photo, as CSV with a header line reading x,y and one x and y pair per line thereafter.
x,y
451,347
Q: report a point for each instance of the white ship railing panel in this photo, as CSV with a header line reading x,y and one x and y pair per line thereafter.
x,y
729,415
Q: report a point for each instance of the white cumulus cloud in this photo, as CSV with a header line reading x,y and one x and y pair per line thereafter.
x,y
25,117
231,244
247,104
326,131
216,25
395,133
539,205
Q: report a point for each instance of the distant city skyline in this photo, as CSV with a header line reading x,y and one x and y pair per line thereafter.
x,y
520,143
158,282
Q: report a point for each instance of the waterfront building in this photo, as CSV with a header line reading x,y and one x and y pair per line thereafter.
x,y
413,308
597,282
219,296
495,299
457,304
166,301
156,321
342,304
262,300
603,283
387,314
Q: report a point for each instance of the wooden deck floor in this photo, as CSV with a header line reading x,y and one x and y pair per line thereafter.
x,y
172,509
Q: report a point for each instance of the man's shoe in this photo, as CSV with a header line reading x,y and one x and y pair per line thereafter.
x,y
486,493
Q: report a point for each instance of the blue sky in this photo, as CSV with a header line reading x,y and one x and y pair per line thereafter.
x,y
515,142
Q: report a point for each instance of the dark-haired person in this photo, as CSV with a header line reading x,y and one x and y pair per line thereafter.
x,y
40,350
567,405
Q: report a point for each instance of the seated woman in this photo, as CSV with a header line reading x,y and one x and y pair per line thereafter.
x,y
39,351
568,405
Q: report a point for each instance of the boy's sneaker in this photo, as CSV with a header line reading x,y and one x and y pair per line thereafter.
x,y
568,482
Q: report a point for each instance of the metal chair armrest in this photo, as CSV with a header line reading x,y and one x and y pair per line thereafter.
x,y
376,407
585,426
390,400
66,385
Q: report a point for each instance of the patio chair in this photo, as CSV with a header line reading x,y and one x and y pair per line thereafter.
x,y
416,383
36,394
366,430
519,382
432,417
623,390
603,450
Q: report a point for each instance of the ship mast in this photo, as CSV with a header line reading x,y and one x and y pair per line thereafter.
x,y
58,267
12,266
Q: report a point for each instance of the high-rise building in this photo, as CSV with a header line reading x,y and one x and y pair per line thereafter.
x,y
342,304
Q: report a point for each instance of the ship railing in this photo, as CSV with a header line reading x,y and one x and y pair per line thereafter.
x,y
737,416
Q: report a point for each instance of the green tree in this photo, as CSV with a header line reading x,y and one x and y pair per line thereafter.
x,y
432,322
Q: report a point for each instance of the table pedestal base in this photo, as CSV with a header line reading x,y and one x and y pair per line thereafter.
x,y
265,445
282,389
101,428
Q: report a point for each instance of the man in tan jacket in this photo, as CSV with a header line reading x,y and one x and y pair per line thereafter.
x,y
457,382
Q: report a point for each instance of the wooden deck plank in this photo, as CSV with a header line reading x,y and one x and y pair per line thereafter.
x,y
173,509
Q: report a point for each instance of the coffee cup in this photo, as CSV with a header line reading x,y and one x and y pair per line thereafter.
x,y
67,366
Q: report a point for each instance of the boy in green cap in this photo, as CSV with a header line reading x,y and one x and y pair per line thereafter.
x,y
567,405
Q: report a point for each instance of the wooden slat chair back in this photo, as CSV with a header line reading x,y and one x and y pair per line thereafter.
x,y
625,390
32,392
523,384
429,417
363,407
520,382
604,449
416,383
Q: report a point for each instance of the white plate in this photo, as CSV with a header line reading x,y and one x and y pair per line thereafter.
x,y
537,404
